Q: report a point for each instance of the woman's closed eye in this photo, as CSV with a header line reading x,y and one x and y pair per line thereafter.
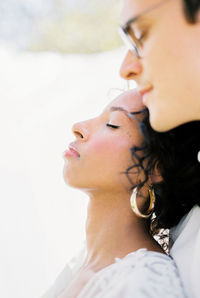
x,y
111,125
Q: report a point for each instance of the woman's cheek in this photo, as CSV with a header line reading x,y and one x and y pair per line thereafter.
x,y
110,148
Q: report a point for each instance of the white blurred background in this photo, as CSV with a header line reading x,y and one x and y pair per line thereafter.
x,y
50,77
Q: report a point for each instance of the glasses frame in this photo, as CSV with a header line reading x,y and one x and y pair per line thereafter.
x,y
128,40
124,30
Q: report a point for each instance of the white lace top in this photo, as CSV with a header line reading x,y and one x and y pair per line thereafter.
x,y
139,274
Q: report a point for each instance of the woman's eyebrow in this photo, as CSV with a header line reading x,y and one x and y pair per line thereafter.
x,y
120,109
130,115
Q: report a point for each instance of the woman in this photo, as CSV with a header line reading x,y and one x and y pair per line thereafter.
x,y
122,257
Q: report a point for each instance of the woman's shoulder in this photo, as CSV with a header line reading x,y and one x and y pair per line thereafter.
x,y
139,274
151,261
157,265
152,273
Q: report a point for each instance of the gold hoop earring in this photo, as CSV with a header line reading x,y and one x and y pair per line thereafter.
x,y
134,206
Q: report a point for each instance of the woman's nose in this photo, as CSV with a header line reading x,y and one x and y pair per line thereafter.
x,y
131,67
80,131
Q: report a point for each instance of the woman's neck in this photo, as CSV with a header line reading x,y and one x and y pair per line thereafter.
x,y
113,230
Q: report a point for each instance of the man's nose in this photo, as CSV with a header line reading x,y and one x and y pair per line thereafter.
x,y
131,67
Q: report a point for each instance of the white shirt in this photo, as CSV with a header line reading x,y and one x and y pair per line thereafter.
x,y
140,274
186,251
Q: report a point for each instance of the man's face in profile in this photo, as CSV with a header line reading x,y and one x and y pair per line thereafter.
x,y
168,71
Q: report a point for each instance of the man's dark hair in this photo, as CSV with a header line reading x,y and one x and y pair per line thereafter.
x,y
191,8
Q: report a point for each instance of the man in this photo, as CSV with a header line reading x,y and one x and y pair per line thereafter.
x,y
163,37
164,58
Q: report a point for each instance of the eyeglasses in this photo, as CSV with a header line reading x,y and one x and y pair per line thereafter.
x,y
134,44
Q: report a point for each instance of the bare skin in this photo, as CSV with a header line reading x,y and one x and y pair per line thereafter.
x,y
112,229
121,233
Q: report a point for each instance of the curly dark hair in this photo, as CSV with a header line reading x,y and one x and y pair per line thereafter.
x,y
174,154
191,8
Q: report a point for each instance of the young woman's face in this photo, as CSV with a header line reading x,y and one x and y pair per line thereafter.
x,y
102,147
168,71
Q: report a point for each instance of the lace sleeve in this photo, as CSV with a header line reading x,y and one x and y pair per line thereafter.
x,y
142,274
154,277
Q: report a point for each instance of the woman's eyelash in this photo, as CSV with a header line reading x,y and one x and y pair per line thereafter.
x,y
111,125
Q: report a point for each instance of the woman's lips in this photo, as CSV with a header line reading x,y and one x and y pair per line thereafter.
x,y
71,152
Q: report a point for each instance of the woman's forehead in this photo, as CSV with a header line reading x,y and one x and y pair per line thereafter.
x,y
131,101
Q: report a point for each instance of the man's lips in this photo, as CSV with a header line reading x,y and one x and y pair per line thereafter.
x,y
143,91
71,151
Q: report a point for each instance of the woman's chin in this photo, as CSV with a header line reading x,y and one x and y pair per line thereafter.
x,y
73,180
68,177
70,181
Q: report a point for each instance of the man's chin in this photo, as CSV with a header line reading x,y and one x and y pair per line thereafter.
x,y
160,123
